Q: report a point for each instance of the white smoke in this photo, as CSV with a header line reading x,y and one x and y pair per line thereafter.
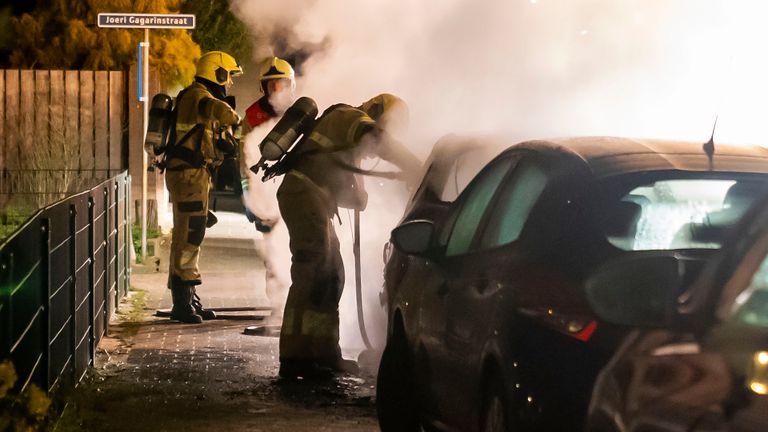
x,y
528,68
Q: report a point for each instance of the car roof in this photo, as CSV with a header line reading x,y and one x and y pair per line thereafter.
x,y
607,156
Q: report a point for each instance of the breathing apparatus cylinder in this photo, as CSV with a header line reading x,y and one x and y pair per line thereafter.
x,y
159,124
297,120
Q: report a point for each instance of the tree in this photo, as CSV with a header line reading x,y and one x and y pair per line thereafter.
x,y
63,34
5,21
218,29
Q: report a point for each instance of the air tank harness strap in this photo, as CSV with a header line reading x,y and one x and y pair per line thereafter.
x,y
194,158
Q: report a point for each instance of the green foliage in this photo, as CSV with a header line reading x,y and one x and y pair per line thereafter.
x,y
5,24
152,232
218,29
11,218
63,34
28,411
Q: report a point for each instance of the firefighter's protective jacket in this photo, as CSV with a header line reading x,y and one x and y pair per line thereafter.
x,y
331,147
256,115
198,107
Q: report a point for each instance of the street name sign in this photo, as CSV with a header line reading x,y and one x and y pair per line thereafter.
x,y
137,20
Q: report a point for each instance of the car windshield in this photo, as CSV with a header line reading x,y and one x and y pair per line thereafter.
x,y
679,213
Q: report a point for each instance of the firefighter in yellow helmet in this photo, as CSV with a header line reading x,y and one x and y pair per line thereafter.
x,y
278,84
198,144
321,177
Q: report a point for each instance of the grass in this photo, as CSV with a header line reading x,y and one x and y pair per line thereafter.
x,y
152,232
11,218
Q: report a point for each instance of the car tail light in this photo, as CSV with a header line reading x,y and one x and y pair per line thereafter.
x,y
578,327
586,332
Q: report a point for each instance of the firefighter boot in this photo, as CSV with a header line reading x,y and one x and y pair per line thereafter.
x,y
183,311
207,314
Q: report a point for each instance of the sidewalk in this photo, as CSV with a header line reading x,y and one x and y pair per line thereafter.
x,y
155,375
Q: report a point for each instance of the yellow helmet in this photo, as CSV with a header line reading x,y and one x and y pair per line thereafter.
x,y
384,103
275,68
218,67
388,111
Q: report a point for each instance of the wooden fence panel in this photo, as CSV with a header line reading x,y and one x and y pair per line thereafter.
x,y
72,109
42,110
86,121
117,105
27,117
57,134
12,119
79,117
101,123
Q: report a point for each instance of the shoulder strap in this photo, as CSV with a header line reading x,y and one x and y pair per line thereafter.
x,y
175,150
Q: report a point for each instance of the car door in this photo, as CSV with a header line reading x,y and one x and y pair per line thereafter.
x,y
473,298
457,233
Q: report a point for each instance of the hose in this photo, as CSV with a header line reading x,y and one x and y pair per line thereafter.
x,y
359,283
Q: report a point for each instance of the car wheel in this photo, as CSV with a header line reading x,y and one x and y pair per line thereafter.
x,y
494,417
396,402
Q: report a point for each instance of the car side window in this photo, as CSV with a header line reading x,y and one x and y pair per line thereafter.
x,y
516,200
472,207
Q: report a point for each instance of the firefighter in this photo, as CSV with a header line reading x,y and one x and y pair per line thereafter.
x,y
197,147
321,177
277,84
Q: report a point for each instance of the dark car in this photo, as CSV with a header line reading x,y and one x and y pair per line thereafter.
x,y
489,326
698,360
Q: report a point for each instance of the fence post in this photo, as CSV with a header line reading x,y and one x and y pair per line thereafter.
x,y
106,258
5,314
128,232
45,262
73,290
92,275
116,249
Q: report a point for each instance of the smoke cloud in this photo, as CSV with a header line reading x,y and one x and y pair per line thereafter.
x,y
521,69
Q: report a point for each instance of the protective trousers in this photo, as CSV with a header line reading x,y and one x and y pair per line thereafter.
x,y
310,329
188,189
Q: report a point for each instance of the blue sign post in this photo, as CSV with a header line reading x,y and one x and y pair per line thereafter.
x,y
145,21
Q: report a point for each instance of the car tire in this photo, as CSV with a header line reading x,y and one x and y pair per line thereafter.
x,y
396,401
494,416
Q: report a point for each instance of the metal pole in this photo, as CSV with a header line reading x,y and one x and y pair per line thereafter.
x,y
144,167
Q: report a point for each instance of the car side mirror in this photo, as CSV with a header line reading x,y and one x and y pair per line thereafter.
x,y
636,290
414,237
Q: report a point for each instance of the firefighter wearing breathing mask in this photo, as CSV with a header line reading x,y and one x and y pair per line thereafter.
x,y
201,140
278,84
322,176
259,198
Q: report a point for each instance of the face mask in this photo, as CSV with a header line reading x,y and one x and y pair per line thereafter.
x,y
281,100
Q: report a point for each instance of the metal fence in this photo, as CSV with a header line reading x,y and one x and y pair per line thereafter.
x,y
61,276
